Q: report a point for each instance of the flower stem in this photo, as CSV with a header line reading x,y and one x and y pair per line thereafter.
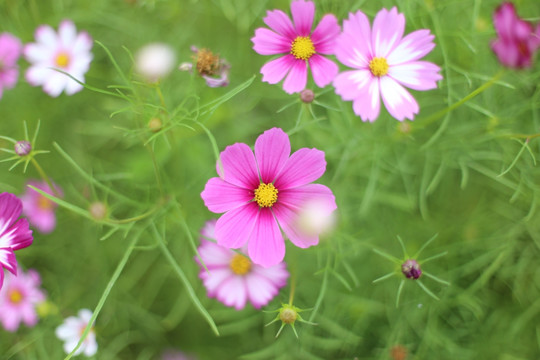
x,y
44,176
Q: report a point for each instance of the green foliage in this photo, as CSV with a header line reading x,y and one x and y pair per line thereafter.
x,y
465,169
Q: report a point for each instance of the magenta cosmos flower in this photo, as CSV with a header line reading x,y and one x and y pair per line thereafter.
x,y
14,233
384,62
233,279
261,195
39,209
517,41
66,50
19,298
302,47
10,51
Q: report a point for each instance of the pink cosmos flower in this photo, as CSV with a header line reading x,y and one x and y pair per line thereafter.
x,y
262,194
10,51
71,330
233,279
176,355
39,209
301,46
19,298
384,62
66,51
517,40
14,234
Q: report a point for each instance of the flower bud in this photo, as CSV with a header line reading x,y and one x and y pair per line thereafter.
x,y
155,125
411,269
307,96
23,148
98,210
288,314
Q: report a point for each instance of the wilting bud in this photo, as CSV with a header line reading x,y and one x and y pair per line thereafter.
x,y
98,210
411,269
23,148
307,96
155,124
155,61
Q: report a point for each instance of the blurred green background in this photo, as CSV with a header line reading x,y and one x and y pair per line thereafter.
x,y
437,175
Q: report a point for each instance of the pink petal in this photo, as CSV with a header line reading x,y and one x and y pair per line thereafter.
x,y
9,77
239,166
274,71
38,53
28,314
353,46
297,78
322,69
267,42
507,53
8,261
10,210
287,219
10,319
398,101
325,34
418,75
37,75
233,229
278,21
233,292
388,28
260,290
272,149
277,274
10,49
214,255
363,88
208,230
412,47
214,279
304,166
303,13
266,246
67,33
55,83
43,220
83,43
220,196
46,36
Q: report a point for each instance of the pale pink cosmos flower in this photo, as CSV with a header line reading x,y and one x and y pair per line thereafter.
x,y
10,51
72,329
301,46
261,195
384,63
38,209
517,41
66,50
19,298
14,233
233,279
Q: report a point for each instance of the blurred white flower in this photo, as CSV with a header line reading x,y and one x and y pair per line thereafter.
x,y
71,330
316,217
155,61
66,50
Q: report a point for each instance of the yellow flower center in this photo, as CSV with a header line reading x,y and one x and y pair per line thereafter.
x,y
302,47
378,66
266,195
43,203
62,60
240,264
15,296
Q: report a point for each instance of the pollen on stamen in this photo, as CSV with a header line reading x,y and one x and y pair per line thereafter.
x,y
302,47
378,66
266,195
240,264
62,60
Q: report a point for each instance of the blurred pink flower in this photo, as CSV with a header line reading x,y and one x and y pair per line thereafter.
x,y
71,330
19,298
233,279
517,41
10,51
14,234
300,45
176,355
39,209
261,194
384,62
66,51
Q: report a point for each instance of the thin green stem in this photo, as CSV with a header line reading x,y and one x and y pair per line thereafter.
x,y
44,176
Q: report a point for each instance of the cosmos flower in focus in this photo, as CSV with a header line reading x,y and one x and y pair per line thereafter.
x,y
233,279
10,51
71,330
14,233
19,298
384,63
517,41
39,209
155,61
262,194
300,46
211,67
66,50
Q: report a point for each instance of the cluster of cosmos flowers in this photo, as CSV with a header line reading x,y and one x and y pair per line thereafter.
x,y
265,195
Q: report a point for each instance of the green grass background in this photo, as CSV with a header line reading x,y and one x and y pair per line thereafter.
x,y
440,176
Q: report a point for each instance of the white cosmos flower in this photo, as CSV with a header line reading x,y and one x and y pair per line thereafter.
x,y
66,50
155,61
71,330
